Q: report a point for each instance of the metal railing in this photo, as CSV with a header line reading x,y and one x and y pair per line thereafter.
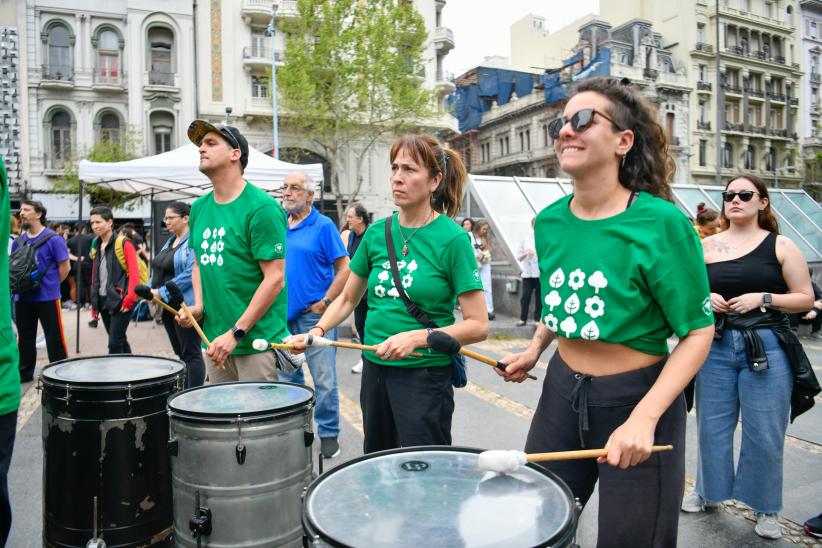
x,y
732,89
816,77
257,52
704,86
160,78
755,93
730,126
704,126
109,77
58,73
776,96
702,46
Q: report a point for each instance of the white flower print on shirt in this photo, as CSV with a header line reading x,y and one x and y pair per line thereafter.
x,y
551,322
577,279
594,307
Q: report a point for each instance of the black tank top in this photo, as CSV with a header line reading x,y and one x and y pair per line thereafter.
x,y
757,272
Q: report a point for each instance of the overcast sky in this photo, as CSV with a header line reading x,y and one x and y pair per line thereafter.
x,y
482,27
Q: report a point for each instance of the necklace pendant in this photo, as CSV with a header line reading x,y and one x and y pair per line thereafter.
x,y
404,250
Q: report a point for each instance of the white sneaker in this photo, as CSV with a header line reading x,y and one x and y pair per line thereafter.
x,y
693,503
357,368
767,526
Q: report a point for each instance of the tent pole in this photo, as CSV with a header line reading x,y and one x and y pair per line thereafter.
x,y
153,228
79,274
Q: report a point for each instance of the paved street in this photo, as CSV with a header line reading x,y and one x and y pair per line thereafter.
x,y
489,414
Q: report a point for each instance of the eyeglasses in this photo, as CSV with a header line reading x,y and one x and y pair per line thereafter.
x,y
580,121
167,219
744,195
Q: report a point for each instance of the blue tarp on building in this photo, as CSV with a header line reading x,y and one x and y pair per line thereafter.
x,y
599,66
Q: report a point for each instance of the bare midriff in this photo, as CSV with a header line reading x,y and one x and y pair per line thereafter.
x,y
597,358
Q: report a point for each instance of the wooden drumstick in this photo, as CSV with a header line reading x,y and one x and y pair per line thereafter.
x,y
144,292
314,340
445,343
504,462
177,296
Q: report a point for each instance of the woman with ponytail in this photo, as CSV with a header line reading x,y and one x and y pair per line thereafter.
x,y
756,277
707,221
614,291
409,400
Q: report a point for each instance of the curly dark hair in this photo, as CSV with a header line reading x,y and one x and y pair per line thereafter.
x,y
648,165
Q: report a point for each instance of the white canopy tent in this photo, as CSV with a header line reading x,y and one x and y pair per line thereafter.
x,y
174,174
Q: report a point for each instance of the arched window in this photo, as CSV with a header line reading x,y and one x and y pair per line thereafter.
x,y
108,57
58,45
60,144
109,128
728,156
162,132
160,55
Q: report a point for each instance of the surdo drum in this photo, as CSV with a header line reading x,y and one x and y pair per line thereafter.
x,y
436,496
105,467
241,459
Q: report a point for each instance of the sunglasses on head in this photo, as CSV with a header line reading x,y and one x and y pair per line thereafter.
x,y
233,140
744,195
580,121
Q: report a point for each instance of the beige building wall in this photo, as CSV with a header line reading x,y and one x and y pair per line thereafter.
x,y
533,48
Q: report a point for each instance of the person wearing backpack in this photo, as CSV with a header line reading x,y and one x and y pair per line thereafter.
x,y
39,262
115,272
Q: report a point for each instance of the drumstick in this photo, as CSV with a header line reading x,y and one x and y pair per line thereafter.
x,y
445,343
144,292
177,295
504,462
314,340
262,344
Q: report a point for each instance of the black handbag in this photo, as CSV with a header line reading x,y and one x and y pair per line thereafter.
x,y
459,376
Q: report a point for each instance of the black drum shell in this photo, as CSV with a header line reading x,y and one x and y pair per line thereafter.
x,y
107,441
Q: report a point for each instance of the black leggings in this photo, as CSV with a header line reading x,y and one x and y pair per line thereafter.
x,y
186,344
49,314
638,506
530,285
116,324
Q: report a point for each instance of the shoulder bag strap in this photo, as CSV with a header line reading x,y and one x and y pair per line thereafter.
x,y
415,311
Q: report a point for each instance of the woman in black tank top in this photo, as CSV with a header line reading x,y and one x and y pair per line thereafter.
x,y
756,276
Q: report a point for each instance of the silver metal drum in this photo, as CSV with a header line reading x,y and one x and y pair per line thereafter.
x,y
240,461
436,496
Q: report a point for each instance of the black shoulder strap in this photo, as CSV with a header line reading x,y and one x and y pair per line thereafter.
x,y
351,236
415,311
43,240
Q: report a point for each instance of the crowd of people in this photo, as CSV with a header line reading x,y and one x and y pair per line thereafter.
x,y
248,267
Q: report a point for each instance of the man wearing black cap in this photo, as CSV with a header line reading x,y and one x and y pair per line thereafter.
x,y
238,236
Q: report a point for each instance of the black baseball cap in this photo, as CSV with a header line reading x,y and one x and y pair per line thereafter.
x,y
199,128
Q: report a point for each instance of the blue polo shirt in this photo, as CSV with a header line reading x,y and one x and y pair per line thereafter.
x,y
311,248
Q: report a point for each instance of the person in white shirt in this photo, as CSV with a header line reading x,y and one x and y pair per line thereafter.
x,y
527,258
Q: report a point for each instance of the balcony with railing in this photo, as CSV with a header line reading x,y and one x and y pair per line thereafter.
x,y
651,74
794,101
703,47
258,11
815,77
161,78
703,86
259,57
443,39
703,126
747,17
109,80
57,76
730,126
732,89
776,97
259,106
756,94
758,130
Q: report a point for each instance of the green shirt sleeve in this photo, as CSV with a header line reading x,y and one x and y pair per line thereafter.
x,y
360,263
678,282
267,232
459,260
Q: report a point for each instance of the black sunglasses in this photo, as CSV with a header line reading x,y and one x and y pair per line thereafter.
x,y
744,195
580,121
228,133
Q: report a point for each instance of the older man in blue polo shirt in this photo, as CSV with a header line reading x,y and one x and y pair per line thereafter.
x,y
316,269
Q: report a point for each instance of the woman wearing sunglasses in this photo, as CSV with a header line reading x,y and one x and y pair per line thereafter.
x,y
620,271
756,276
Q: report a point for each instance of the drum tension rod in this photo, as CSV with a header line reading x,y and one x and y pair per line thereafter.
x,y
200,523
240,449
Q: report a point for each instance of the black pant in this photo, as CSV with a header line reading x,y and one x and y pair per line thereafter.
x,y
186,344
796,319
27,315
530,285
116,324
404,407
638,506
8,427
360,313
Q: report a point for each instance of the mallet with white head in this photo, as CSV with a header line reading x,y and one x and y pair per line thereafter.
x,y
177,296
507,461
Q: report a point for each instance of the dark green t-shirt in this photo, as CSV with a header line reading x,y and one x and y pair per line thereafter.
x,y
631,279
440,265
9,358
229,240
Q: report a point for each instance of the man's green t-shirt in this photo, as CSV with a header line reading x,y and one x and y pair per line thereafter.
x,y
631,279
440,265
9,358
229,240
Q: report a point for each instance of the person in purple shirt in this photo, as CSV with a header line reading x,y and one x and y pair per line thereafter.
x,y
42,304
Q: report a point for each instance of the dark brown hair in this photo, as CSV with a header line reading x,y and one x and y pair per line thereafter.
x,y
766,219
648,165
428,152
705,215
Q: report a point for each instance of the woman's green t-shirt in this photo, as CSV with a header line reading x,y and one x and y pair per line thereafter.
x,y
440,265
631,279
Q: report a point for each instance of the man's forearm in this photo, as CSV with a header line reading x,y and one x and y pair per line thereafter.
x,y
336,287
197,285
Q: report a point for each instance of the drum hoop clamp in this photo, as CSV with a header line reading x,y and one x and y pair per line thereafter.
x,y
239,450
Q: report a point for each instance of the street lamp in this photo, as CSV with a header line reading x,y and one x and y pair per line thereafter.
x,y
271,28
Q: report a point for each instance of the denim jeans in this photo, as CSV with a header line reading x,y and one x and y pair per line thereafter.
x,y
724,387
322,362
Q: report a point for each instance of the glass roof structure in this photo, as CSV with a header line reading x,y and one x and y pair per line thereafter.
x,y
509,204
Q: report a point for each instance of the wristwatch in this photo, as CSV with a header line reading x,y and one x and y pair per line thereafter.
x,y
327,301
767,299
238,333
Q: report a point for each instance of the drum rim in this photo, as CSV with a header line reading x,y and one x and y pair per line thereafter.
x,y
52,381
311,527
248,416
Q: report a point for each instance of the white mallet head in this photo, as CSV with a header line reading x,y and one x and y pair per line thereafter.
x,y
502,461
260,344
314,340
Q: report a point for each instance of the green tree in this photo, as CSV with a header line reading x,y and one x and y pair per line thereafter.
x,y
353,74
120,150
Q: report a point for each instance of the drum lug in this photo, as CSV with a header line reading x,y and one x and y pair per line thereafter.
x,y
200,523
95,541
39,386
68,394
128,396
173,446
239,450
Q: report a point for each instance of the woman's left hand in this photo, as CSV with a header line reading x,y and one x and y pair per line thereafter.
x,y
400,345
631,443
745,303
